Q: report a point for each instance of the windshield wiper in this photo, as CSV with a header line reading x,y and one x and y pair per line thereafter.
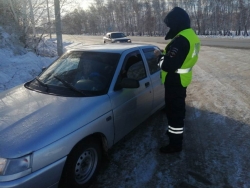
x,y
68,85
41,83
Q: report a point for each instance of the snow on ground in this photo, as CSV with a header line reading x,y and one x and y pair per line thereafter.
x,y
17,69
217,125
17,65
226,36
216,138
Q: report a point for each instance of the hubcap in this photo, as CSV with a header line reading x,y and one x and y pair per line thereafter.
x,y
86,165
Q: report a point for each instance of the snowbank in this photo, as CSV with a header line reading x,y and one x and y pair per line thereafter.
x,y
17,65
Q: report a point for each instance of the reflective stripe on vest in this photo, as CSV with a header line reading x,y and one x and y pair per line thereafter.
x,y
183,71
163,73
175,130
186,69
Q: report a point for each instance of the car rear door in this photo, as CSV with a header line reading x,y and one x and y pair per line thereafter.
x,y
131,106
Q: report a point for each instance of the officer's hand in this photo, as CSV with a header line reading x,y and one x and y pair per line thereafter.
x,y
157,52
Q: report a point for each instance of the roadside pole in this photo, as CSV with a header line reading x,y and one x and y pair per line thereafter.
x,y
58,27
49,22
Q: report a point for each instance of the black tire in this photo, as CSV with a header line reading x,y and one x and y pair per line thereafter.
x,y
81,165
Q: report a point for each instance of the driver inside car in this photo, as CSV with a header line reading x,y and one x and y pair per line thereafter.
x,y
87,71
88,77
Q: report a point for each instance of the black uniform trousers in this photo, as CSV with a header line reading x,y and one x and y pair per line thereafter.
x,y
175,111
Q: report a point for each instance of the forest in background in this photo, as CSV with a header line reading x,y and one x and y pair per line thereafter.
x,y
36,18
145,17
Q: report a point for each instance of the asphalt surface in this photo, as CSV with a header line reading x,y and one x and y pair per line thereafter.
x,y
206,41
217,129
236,43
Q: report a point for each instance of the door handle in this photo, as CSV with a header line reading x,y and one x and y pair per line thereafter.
x,y
147,84
108,118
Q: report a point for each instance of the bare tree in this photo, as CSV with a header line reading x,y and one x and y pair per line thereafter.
x,y
32,18
246,16
49,22
130,16
157,15
58,27
13,11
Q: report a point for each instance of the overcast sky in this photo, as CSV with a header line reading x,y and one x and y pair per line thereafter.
x,y
85,3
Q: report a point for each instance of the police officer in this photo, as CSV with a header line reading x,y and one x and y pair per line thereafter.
x,y
179,57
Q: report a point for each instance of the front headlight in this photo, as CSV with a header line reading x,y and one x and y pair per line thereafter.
x,y
14,166
129,40
3,163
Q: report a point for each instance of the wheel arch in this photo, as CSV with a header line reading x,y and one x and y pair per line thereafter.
x,y
96,139
99,137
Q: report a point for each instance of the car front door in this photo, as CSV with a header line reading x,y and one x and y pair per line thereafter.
x,y
131,106
109,38
152,56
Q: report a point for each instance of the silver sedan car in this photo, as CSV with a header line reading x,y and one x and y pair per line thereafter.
x,y
55,129
116,37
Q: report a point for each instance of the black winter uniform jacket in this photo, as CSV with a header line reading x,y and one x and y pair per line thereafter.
x,y
177,50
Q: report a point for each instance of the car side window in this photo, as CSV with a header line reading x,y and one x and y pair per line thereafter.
x,y
137,71
134,67
152,59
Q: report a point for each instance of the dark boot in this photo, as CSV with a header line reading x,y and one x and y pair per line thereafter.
x,y
170,149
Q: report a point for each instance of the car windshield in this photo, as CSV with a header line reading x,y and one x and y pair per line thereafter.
x,y
117,35
89,73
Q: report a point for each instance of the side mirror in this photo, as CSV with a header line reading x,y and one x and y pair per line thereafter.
x,y
44,68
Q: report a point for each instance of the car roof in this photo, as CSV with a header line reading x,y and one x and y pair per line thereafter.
x,y
114,48
115,32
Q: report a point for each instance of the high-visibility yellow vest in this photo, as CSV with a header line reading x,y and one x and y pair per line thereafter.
x,y
186,69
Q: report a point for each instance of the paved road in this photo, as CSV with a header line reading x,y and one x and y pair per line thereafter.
x,y
217,130
214,42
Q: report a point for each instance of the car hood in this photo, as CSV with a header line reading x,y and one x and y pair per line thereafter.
x,y
30,120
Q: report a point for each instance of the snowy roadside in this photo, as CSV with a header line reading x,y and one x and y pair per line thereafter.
x,y
216,139
17,65
17,69
217,128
